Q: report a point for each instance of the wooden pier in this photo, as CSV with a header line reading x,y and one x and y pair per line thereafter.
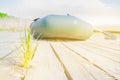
x,y
93,59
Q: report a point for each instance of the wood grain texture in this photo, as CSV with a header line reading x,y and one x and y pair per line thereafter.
x,y
94,59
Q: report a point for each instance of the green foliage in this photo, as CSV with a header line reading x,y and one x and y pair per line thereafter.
x,y
3,15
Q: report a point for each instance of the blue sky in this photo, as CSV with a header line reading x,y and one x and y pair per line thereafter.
x,y
93,11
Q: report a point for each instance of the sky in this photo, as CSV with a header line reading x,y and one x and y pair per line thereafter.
x,y
96,12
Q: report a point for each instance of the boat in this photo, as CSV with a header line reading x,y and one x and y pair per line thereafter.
x,y
61,26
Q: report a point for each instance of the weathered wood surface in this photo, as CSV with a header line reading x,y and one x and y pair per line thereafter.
x,y
94,59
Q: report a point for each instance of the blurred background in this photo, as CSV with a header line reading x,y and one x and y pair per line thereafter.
x,y
104,14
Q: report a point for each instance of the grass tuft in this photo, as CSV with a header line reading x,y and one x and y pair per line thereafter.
x,y
28,49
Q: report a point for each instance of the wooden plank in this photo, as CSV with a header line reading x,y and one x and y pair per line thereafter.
x,y
47,66
10,36
115,45
98,39
9,41
79,60
7,48
110,67
95,72
102,51
75,69
8,55
8,70
6,73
